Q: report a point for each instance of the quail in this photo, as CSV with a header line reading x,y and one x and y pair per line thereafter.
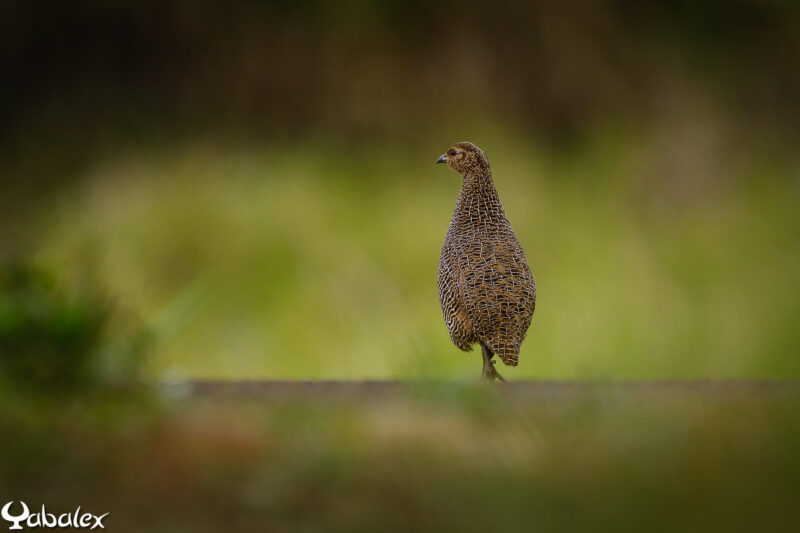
x,y
486,288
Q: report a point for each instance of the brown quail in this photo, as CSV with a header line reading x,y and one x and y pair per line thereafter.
x,y
486,288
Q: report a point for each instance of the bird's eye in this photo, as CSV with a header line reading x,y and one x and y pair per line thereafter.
x,y
452,152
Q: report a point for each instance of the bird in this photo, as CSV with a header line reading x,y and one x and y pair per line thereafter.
x,y
486,288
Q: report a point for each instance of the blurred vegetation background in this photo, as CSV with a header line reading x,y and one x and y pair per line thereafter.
x,y
247,190
252,188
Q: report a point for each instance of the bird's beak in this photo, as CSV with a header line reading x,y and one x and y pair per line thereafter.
x,y
442,159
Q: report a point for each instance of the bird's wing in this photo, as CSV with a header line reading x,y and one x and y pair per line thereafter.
x,y
451,299
499,297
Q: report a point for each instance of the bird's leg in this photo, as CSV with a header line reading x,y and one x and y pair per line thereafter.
x,y
485,376
489,372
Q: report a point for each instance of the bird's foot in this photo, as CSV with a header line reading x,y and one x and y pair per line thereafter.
x,y
490,373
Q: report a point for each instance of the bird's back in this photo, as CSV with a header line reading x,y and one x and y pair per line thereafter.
x,y
486,288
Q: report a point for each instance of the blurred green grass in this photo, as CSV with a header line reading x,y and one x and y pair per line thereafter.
x,y
59,341
317,259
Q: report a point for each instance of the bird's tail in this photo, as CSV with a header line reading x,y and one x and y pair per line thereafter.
x,y
507,351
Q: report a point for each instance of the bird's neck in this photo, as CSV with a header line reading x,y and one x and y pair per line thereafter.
x,y
478,195
479,184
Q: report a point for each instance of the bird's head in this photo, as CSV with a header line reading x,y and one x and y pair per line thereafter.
x,y
465,157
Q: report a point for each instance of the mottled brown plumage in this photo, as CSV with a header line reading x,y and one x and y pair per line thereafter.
x,y
486,288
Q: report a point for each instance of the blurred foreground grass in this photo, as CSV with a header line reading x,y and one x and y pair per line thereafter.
x,y
293,457
318,260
